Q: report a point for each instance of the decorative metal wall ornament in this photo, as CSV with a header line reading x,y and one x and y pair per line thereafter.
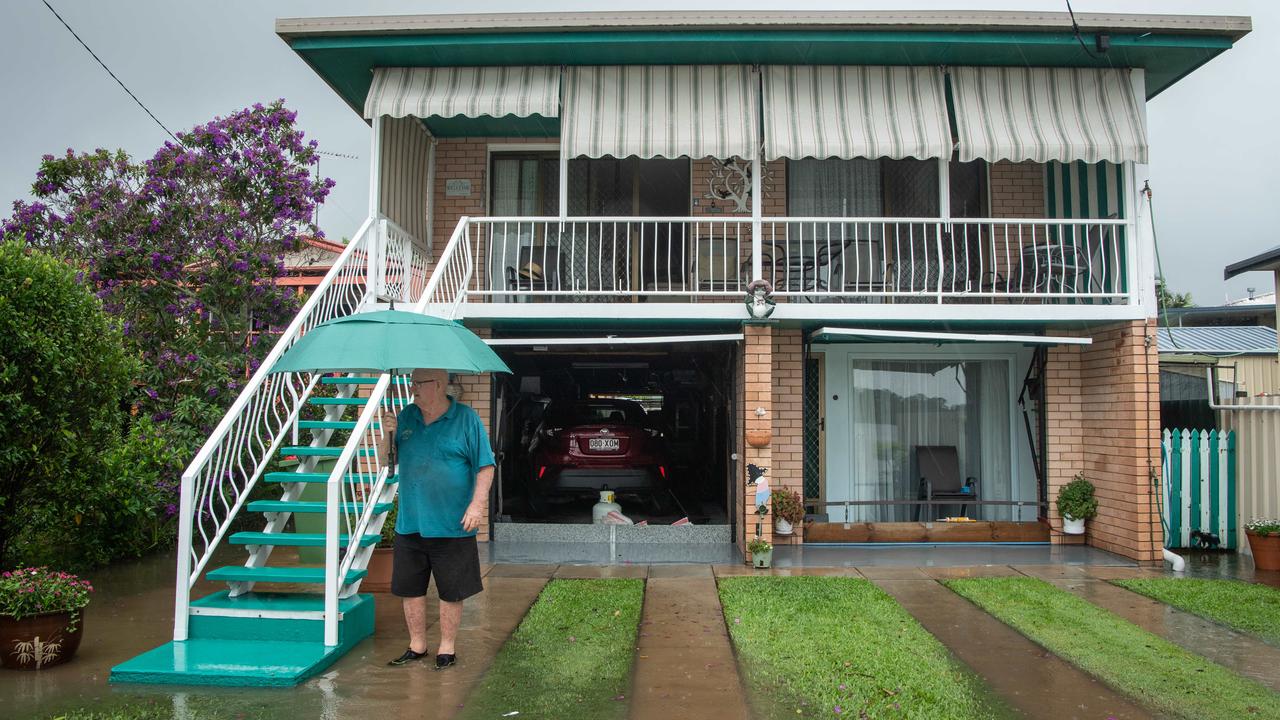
x,y
730,179
760,299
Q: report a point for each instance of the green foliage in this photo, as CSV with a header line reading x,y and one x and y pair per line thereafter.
x,y
1263,527
841,647
389,528
1247,607
1174,682
64,376
1166,299
788,505
1076,500
758,545
570,657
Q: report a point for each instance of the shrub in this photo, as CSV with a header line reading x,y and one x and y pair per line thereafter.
x,y
788,506
64,375
1076,500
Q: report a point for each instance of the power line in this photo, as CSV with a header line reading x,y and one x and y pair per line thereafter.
x,y
113,75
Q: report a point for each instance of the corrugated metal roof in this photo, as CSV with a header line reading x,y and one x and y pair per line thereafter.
x,y
1223,340
1234,27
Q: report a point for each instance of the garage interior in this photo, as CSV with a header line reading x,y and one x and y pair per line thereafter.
x,y
686,390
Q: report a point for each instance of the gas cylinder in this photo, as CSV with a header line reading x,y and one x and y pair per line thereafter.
x,y
602,508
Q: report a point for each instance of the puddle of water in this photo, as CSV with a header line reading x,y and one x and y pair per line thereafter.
x,y
132,611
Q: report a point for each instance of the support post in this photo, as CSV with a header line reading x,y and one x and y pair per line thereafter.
x,y
182,592
373,277
757,183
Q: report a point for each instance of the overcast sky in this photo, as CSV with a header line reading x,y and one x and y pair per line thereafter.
x,y
1214,144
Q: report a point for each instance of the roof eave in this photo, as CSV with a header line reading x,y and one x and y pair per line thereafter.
x,y
1267,261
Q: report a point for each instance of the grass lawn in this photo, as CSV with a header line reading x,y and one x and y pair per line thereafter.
x,y
1247,607
828,646
1161,675
570,657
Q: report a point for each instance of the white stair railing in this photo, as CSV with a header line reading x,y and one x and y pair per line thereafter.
x,y
217,483
359,478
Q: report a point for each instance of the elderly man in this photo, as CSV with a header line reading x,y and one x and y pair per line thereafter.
x,y
446,468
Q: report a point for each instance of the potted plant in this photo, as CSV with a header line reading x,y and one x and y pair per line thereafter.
x,y
378,578
1076,504
41,617
1264,543
761,552
788,510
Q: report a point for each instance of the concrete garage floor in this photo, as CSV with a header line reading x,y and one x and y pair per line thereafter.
x,y
684,659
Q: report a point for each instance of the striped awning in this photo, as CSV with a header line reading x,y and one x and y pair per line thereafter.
x,y
659,111
468,91
824,111
1043,114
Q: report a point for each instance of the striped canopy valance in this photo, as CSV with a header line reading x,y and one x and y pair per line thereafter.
x,y
825,111
466,91
1045,114
659,111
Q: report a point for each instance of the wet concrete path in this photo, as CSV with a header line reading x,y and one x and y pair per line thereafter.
x,y
1035,682
1236,651
685,666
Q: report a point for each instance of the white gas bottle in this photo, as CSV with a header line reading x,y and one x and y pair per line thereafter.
x,y
604,507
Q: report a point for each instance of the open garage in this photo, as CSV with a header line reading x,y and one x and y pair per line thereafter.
x,y
649,418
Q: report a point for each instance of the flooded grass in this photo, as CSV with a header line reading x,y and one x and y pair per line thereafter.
x,y
1168,679
1247,607
570,657
833,646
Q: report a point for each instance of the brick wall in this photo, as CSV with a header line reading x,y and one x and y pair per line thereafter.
x,y
476,391
787,470
1103,418
1016,189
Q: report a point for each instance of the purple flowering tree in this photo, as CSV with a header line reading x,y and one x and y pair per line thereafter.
x,y
185,249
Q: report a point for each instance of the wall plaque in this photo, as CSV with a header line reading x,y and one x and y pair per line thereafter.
x,y
457,187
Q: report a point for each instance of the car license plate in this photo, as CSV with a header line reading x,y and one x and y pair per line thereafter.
x,y
602,444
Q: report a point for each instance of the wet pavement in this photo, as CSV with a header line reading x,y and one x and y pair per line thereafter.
x,y
685,664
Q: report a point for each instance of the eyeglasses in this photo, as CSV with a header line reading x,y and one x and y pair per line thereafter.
x,y
424,382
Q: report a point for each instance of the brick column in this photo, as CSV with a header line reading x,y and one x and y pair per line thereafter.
x,y
476,391
1103,415
788,419
757,392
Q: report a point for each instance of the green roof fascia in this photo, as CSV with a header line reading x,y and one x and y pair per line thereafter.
x,y
346,62
510,126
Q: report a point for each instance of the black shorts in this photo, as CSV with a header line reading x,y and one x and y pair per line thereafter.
x,y
454,562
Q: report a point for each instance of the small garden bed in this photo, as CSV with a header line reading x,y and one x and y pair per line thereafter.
x,y
570,657
829,646
1249,608
1163,676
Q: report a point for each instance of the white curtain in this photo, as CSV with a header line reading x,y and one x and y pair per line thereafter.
x,y
899,405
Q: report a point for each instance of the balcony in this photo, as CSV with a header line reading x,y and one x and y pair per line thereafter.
x,y
853,266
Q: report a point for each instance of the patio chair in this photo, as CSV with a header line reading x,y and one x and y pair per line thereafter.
x,y
939,467
532,275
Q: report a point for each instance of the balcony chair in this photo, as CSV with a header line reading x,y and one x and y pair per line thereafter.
x,y
538,271
939,467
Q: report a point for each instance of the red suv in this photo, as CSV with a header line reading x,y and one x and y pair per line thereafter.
x,y
585,446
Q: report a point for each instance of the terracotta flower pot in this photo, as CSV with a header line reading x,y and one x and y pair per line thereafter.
x,y
379,578
1265,549
39,641
758,438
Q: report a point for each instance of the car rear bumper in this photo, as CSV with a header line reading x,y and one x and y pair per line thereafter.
x,y
617,479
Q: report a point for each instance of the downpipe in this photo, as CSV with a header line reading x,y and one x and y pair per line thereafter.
x,y
1174,559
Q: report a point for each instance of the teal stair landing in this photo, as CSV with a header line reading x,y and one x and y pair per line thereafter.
x,y
276,638
273,640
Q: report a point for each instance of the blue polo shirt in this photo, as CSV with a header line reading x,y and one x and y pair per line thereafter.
x,y
438,466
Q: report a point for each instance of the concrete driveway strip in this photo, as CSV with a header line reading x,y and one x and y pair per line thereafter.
x,y
1239,652
1037,683
685,666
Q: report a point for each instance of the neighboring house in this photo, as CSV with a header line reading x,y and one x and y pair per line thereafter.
x,y
1256,309
307,266
1244,360
856,248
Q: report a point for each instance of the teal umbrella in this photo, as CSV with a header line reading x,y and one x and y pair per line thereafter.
x,y
389,341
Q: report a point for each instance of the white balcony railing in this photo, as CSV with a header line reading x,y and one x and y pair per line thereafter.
x,y
830,259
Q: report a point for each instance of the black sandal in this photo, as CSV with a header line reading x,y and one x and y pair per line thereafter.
x,y
444,661
408,657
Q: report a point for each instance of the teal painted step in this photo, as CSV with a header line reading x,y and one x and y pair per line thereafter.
x,y
360,380
302,506
240,573
330,425
354,401
262,616
244,661
302,451
317,477
294,539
